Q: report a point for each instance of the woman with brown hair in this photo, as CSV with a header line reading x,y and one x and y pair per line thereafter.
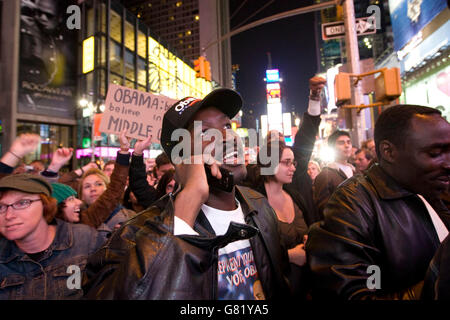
x,y
287,203
38,252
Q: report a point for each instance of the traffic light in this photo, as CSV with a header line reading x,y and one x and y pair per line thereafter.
x,y
207,70
388,85
199,67
342,88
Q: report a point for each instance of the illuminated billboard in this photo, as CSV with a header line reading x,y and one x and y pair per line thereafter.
x,y
171,76
408,17
88,54
273,92
272,75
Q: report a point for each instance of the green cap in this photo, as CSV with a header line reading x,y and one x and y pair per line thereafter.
x,y
26,182
62,191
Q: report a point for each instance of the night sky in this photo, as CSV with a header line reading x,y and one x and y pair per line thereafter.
x,y
291,43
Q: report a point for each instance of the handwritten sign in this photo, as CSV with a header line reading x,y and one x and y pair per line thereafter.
x,y
138,112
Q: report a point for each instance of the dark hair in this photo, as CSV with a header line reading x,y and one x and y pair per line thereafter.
x,y
393,123
335,135
367,153
109,163
162,159
164,181
267,148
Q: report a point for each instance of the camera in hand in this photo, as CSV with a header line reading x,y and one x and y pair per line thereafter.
x,y
226,183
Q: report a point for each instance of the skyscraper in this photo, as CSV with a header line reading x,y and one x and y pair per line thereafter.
x,y
188,26
175,21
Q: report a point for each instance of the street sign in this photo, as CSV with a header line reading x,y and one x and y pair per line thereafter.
x,y
336,30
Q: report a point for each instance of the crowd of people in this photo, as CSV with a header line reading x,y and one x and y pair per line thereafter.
x,y
371,224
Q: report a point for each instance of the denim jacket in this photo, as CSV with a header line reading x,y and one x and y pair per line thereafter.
x,y
57,274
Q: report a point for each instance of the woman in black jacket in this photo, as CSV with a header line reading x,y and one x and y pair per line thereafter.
x,y
288,205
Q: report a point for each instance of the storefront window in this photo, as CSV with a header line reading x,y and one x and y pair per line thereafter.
x,y
115,26
129,65
129,35
116,63
142,80
142,44
129,84
115,79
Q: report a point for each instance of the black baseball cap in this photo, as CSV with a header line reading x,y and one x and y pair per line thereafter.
x,y
26,182
181,113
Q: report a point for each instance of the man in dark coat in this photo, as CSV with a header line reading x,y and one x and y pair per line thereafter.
x,y
381,229
205,241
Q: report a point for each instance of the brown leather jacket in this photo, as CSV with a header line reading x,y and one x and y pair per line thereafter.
x,y
144,260
371,220
101,209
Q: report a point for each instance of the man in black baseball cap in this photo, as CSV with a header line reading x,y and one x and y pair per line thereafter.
x,y
182,246
181,114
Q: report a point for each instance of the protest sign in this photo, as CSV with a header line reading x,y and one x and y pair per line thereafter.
x,y
138,112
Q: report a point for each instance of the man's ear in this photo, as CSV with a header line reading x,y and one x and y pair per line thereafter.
x,y
388,151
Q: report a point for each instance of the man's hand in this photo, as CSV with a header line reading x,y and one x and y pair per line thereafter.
x,y
21,146
316,85
25,144
142,145
124,142
79,172
195,188
297,255
60,157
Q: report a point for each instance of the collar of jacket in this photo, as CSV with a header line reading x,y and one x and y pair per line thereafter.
x,y
63,240
334,167
207,239
386,187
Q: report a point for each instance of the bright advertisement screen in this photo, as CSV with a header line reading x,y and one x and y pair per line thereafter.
x,y
274,115
408,17
287,124
272,75
433,91
170,76
273,93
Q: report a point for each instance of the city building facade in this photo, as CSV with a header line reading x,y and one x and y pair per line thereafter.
x,y
54,79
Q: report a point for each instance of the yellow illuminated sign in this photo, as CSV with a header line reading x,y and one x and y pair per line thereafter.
x,y
88,54
171,76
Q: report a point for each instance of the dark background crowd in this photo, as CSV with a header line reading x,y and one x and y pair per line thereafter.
x,y
312,228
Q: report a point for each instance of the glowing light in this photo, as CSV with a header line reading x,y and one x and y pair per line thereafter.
x,y
327,154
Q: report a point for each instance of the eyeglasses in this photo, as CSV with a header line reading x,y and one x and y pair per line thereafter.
x,y
18,205
288,163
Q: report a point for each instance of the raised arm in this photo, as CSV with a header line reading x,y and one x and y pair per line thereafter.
x,y
60,157
21,146
306,135
101,209
145,194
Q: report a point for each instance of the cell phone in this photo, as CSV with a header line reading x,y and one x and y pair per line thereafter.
x,y
226,183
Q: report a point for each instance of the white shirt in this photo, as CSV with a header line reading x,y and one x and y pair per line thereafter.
x,y
237,274
439,226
